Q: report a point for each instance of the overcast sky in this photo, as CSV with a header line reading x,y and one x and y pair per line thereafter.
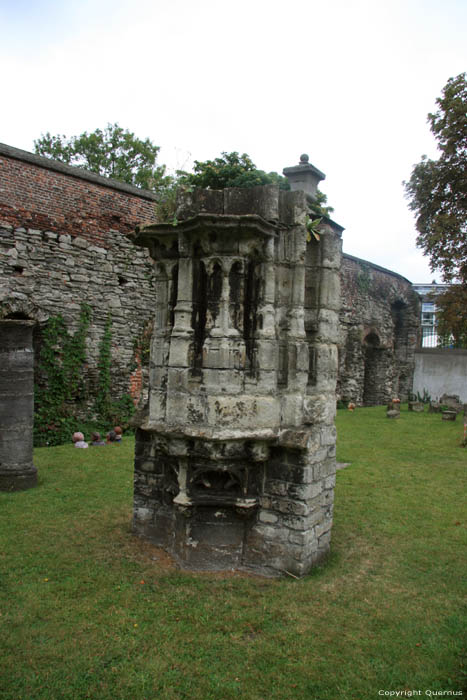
x,y
350,82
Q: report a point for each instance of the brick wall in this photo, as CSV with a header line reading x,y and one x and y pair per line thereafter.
x,y
38,193
63,241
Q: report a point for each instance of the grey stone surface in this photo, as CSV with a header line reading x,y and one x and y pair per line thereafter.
x,y
41,284
379,326
235,457
17,471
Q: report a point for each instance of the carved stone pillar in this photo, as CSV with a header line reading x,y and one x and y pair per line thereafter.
x,y
235,460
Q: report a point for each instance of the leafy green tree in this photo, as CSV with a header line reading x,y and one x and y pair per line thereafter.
x,y
112,152
437,193
437,189
230,170
451,316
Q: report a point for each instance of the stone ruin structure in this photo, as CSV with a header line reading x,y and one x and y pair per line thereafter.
x,y
379,332
17,471
235,454
64,242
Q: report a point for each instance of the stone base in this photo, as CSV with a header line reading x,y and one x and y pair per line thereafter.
x,y
251,504
18,481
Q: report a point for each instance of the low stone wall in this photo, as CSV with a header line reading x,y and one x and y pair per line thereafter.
x,y
441,371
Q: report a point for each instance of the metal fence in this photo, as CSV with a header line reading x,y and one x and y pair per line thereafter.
x,y
431,339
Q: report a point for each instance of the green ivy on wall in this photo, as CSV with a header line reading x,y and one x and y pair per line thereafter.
x,y
110,411
60,391
60,372
364,279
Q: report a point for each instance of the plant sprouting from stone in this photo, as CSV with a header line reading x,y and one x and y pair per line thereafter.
x,y
312,227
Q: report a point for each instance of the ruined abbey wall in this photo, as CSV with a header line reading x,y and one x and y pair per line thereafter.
x,y
63,242
379,333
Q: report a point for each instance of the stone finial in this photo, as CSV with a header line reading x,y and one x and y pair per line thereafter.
x,y
304,176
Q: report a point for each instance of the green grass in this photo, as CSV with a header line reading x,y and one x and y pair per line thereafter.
x,y
89,611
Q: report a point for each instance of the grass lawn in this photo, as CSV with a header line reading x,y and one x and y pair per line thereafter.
x,y
89,611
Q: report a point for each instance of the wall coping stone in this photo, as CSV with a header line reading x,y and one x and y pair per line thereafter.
x,y
375,266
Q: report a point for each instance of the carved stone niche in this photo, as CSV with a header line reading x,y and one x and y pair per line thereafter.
x,y
235,457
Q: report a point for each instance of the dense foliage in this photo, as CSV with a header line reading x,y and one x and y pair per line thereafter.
x,y
437,193
230,170
437,189
60,383
112,152
452,316
61,394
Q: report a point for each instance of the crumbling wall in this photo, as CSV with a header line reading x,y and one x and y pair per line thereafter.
x,y
379,333
63,243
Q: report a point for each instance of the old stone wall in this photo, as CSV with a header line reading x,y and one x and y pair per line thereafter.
x,y
379,333
63,243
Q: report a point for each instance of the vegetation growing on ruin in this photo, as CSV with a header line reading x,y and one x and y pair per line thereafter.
x,y
60,379
228,170
88,610
60,394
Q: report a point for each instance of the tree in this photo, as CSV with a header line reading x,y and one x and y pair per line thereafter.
x,y
112,152
230,170
451,316
437,189
437,193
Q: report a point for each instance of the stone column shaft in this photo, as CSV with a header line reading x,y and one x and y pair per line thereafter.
x,y
17,471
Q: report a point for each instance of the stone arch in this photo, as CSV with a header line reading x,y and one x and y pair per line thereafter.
x,y
399,317
21,309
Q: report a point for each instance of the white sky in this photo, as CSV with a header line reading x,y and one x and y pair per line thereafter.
x,y
350,82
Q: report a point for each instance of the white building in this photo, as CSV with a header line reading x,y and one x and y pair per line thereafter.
x,y
428,294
